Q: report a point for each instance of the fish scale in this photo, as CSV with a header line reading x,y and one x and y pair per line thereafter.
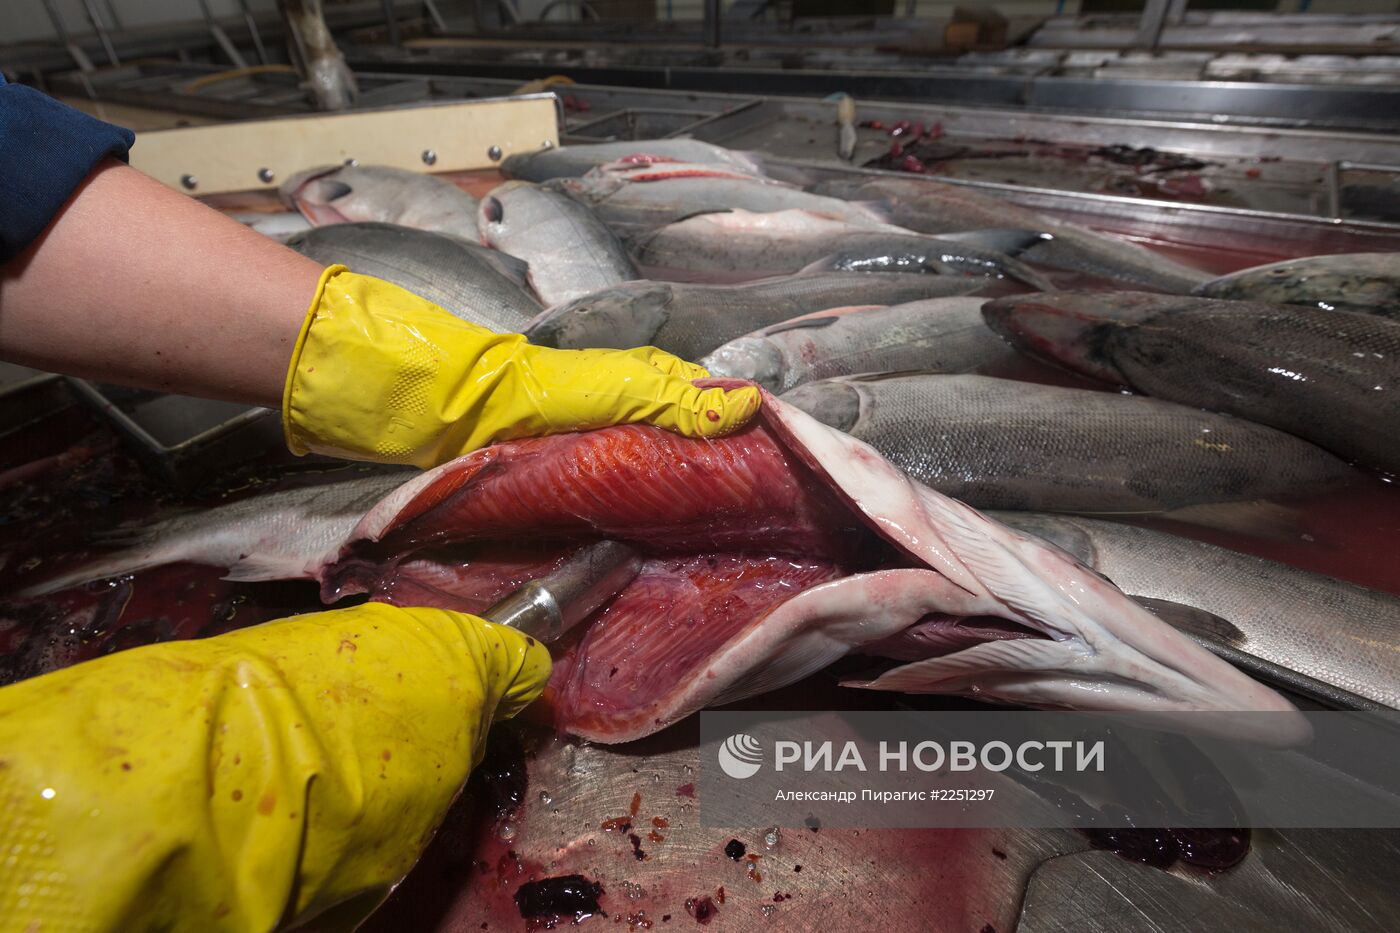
x,y
997,443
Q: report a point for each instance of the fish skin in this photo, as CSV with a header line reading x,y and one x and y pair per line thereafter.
x,y
471,281
571,252
574,161
348,193
691,320
1331,377
276,536
788,241
1004,444
1365,283
936,335
933,207
1337,632
635,670
626,204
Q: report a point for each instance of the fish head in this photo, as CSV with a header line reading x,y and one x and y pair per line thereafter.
x,y
1071,329
833,402
751,358
624,316
322,195
511,207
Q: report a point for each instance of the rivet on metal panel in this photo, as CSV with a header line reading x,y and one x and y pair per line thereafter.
x,y
429,157
266,175
494,153
352,162
189,181
547,144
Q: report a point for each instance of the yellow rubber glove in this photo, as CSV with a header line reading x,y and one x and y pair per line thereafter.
x,y
381,374
257,779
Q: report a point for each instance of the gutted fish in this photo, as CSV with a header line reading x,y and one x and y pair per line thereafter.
x,y
570,252
1332,377
787,241
1367,283
690,320
937,335
771,553
934,207
340,194
574,161
1000,443
473,282
1328,629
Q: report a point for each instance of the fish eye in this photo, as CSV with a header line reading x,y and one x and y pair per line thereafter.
x,y
494,210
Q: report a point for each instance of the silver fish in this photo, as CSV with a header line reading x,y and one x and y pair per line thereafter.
x,y
690,320
628,201
999,443
1332,377
1334,631
938,207
1367,283
277,226
573,161
346,193
278,536
475,283
570,252
782,242
938,335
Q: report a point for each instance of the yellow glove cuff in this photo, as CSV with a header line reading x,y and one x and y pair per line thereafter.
x,y
381,374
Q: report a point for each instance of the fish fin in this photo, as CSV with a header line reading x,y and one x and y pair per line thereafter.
x,y
1256,518
800,323
1026,670
1197,622
1011,241
118,564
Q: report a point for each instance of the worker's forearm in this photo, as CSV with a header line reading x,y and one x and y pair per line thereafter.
x,y
137,284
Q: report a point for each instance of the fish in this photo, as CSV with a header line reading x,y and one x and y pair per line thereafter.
x,y
477,284
691,320
769,554
937,334
571,253
934,207
1366,283
279,226
1334,631
338,194
281,535
785,242
1004,444
659,196
1330,377
575,161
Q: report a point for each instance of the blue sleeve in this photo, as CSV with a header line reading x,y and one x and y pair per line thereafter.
x,y
46,150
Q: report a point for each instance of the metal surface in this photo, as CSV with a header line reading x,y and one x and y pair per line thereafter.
x,y
232,157
1154,17
549,607
182,440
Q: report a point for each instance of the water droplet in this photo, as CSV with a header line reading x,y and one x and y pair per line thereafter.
x,y
688,769
506,833
771,837
768,911
546,798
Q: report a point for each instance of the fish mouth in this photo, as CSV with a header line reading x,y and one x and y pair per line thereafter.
x,y
769,554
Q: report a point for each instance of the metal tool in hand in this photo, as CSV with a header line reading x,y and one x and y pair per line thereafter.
x,y
549,607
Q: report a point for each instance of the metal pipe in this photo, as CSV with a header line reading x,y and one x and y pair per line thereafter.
x,y
391,22
712,23
95,19
252,24
221,38
1154,17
